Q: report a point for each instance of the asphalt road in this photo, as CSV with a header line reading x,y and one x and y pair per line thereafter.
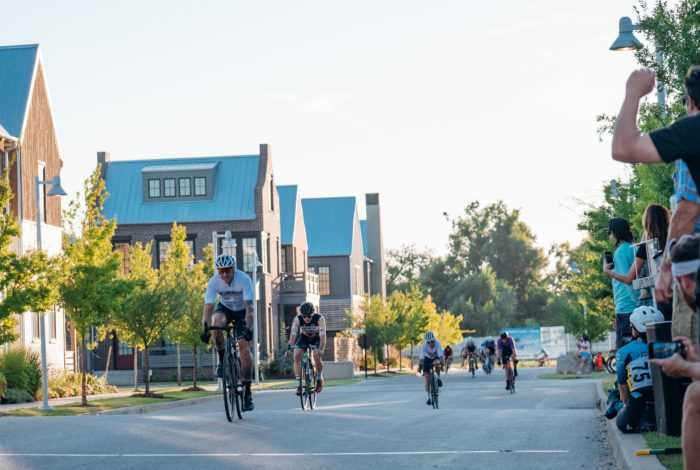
x,y
380,424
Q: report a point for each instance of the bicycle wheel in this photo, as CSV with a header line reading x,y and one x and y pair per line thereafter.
x,y
434,389
228,387
302,395
512,386
238,388
611,364
310,389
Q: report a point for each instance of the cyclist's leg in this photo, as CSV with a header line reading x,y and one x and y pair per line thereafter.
x,y
219,319
427,367
318,363
298,353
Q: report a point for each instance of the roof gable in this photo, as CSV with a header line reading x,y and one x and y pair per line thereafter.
x,y
17,68
234,196
288,212
330,225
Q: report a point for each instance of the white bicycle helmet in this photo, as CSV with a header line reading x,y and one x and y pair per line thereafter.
x,y
225,262
643,315
429,336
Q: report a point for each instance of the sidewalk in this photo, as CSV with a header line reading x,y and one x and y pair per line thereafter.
x,y
123,392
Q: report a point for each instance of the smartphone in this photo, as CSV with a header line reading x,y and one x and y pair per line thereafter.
x,y
664,350
609,259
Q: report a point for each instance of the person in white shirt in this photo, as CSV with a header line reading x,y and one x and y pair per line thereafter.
x,y
431,352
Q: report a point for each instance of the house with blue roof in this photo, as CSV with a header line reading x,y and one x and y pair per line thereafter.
x,y
29,148
337,254
210,196
296,283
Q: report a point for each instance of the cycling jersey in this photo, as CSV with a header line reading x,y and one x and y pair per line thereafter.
x,y
471,347
434,352
448,351
506,346
232,296
313,329
633,367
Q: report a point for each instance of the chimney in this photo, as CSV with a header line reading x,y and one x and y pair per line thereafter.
x,y
375,245
102,159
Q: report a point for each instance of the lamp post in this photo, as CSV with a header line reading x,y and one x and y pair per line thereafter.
x,y
626,41
56,190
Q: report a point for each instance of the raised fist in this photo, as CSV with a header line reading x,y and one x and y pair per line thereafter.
x,y
640,83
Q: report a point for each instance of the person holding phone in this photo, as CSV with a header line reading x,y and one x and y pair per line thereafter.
x,y
625,297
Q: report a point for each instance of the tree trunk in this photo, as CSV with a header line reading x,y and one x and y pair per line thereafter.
x,y
110,340
411,356
179,365
146,375
400,365
83,370
386,359
136,368
375,360
194,366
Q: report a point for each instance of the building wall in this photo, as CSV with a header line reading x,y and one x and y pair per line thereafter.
x,y
357,261
339,275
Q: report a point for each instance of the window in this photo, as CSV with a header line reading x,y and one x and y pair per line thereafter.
x,y
36,319
42,193
153,188
250,247
200,186
185,187
358,286
268,255
162,251
279,256
169,187
272,194
123,249
283,261
124,349
324,279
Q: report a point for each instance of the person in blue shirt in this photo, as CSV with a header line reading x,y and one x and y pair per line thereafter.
x,y
625,297
634,375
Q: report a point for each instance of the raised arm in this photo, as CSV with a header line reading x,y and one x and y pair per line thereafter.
x,y
629,145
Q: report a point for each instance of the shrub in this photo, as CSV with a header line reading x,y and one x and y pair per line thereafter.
x,y
32,368
68,384
13,366
3,385
15,395
282,366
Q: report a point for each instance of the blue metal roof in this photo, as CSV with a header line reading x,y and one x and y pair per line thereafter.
x,y
234,192
329,225
363,228
16,72
288,212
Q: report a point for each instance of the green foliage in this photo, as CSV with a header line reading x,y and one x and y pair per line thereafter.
x,y
68,384
7,329
17,395
3,385
282,366
21,370
404,267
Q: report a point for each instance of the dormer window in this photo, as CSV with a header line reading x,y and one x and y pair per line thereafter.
x,y
169,187
153,188
179,182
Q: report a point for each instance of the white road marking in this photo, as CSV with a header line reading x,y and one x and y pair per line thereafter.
x,y
292,454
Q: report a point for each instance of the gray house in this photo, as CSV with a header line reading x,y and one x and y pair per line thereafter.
x,y
296,283
208,195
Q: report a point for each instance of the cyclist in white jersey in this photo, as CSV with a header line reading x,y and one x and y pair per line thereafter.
x,y
234,290
430,353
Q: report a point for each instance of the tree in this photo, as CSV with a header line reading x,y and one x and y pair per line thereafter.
x,y
444,325
27,282
185,284
144,315
89,287
404,267
411,320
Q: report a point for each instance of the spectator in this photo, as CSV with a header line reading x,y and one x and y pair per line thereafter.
x,y
624,296
584,353
656,221
678,142
685,256
635,387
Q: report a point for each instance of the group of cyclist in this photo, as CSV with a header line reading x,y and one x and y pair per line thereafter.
x,y
229,300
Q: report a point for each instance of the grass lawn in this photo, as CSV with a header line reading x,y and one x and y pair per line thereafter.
x,y
594,375
658,441
95,406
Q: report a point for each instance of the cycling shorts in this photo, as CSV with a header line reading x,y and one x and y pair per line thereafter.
x,y
304,342
238,319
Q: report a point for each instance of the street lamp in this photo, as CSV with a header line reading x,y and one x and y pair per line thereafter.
x,y
55,190
626,41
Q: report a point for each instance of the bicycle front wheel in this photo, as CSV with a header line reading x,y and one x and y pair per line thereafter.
x,y
228,387
237,395
434,390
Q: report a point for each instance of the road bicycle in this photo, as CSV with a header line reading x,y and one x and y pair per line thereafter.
x,y
232,386
472,365
510,375
434,385
307,381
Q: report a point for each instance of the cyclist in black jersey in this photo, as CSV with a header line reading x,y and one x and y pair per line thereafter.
x,y
308,330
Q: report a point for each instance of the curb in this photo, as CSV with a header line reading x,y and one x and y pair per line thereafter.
x,y
141,409
624,445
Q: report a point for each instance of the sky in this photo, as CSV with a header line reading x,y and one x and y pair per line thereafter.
x,y
430,104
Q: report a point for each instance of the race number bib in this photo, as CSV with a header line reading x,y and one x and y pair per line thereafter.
x,y
232,300
638,374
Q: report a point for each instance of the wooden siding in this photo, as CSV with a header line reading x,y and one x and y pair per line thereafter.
x,y
39,143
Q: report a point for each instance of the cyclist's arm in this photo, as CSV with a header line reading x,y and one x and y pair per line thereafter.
x,y
322,333
294,332
209,299
621,372
248,300
206,314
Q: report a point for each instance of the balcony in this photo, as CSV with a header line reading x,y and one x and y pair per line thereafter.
x,y
298,283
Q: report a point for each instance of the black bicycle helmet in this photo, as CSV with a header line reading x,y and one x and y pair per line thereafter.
x,y
307,309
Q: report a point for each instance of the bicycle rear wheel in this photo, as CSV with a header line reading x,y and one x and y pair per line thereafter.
x,y
611,364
